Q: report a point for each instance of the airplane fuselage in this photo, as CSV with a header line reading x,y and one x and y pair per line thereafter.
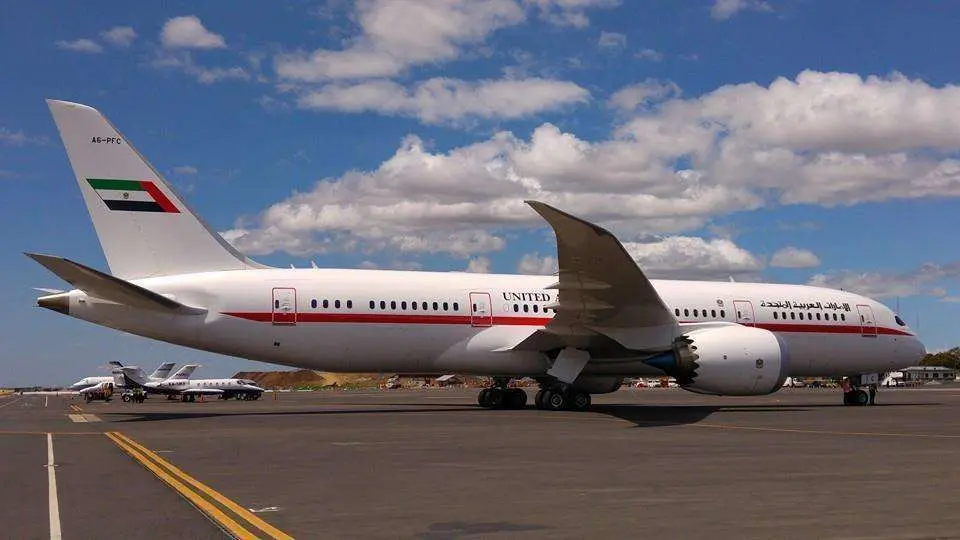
x,y
425,322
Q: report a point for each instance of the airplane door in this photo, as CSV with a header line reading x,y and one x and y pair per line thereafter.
x,y
868,325
481,311
284,306
743,310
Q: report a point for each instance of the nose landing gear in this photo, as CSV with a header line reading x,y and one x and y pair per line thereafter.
x,y
853,389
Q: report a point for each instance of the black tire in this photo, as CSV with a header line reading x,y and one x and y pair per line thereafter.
x,y
483,398
579,401
538,399
516,399
861,398
497,398
555,401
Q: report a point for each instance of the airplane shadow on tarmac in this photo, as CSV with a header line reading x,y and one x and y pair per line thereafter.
x,y
639,415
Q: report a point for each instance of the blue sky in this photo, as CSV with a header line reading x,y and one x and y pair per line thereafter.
x,y
801,141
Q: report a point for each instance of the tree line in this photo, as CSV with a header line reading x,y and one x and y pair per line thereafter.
x,y
950,359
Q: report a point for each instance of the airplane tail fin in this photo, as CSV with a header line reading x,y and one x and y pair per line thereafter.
x,y
129,377
162,372
184,372
144,227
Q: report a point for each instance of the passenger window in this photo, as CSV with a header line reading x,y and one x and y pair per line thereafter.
x,y
326,304
793,315
783,315
713,313
723,313
843,317
349,304
393,304
818,316
526,308
413,306
536,308
336,304
403,305
686,312
456,306
445,306
383,305
313,303
676,312
373,304
425,306
436,306
695,313
775,315
834,316
516,308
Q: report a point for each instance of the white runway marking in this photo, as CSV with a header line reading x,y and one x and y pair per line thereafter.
x,y
84,418
52,492
46,401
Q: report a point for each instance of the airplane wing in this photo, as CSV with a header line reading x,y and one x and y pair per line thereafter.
x,y
603,298
110,288
203,391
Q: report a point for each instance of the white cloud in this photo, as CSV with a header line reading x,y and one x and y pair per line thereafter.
x,y
824,138
568,12
187,32
688,257
612,40
791,257
533,263
184,62
442,100
396,35
185,169
649,54
479,265
630,97
724,9
83,45
19,138
888,285
120,36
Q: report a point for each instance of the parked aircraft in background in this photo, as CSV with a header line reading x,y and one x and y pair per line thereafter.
x,y
578,333
188,389
158,375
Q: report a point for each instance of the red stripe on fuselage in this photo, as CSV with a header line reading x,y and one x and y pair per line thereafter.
x,y
397,318
158,196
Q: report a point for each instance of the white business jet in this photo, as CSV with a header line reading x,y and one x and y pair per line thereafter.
x,y
189,389
158,374
174,279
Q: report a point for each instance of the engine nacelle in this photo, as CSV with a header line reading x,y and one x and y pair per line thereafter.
x,y
729,360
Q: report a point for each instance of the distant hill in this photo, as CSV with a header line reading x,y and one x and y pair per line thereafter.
x,y
304,378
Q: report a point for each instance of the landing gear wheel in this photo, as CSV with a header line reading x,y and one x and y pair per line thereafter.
x,y
516,399
496,398
861,398
483,399
538,399
554,400
579,401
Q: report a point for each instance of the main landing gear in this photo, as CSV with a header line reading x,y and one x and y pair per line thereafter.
x,y
499,396
561,398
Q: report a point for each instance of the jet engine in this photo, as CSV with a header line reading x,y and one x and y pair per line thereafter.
x,y
730,360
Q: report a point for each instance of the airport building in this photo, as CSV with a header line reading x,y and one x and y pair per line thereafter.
x,y
925,374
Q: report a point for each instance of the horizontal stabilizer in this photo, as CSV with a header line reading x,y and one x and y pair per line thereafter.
x,y
113,289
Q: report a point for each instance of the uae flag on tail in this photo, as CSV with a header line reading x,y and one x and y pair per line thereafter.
x,y
132,195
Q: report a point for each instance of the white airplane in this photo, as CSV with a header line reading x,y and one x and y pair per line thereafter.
x,y
158,375
579,333
188,389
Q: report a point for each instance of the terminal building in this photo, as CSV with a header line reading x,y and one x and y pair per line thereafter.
x,y
925,374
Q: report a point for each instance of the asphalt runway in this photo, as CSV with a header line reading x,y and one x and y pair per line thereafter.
x,y
428,464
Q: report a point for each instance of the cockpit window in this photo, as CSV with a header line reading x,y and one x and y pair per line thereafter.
x,y
899,320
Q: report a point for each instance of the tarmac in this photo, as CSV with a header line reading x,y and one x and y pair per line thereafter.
x,y
429,464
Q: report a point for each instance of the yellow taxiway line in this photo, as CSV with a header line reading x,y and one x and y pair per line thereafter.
x,y
178,480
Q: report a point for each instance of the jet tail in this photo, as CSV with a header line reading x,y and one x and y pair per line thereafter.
x,y
129,377
162,372
106,287
184,372
145,228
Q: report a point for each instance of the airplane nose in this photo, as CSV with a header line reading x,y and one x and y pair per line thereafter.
x,y
56,302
